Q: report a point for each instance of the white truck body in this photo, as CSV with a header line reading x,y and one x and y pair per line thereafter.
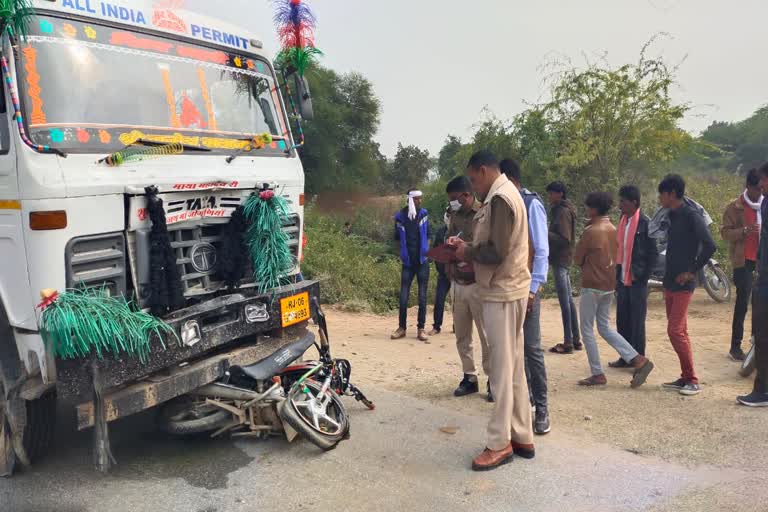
x,y
99,199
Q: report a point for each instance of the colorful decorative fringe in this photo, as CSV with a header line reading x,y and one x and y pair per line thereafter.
x,y
267,243
79,322
296,30
14,15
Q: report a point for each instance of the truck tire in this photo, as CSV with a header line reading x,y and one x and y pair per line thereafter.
x,y
41,426
7,456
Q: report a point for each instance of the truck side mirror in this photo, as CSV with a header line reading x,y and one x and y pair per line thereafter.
x,y
304,98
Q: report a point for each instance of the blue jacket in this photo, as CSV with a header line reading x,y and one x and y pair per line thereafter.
x,y
401,219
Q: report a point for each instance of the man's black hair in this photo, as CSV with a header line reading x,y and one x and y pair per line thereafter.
x,y
460,185
559,187
753,178
483,158
511,169
673,183
630,193
763,169
600,201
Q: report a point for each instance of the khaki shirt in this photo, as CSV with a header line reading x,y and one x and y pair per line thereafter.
x,y
462,222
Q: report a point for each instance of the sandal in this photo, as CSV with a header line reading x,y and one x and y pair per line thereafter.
x,y
561,348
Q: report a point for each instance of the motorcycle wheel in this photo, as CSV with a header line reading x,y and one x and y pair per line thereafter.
x,y
322,420
716,283
183,417
748,365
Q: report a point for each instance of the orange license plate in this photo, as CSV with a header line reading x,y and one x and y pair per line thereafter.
x,y
294,309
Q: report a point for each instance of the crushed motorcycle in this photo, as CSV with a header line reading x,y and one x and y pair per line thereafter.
x,y
276,396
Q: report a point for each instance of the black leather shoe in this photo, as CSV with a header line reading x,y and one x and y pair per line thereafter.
x,y
466,387
489,397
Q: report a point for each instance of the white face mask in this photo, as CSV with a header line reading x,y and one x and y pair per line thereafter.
x,y
455,205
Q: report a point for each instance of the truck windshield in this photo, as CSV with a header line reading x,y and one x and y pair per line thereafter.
x,y
91,88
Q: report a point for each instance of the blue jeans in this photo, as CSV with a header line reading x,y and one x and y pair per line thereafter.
x,y
421,273
596,308
535,370
443,287
571,333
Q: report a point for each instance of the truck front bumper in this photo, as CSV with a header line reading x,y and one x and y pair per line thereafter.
x,y
181,380
222,327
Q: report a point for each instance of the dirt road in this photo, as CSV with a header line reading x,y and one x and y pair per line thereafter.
x,y
707,429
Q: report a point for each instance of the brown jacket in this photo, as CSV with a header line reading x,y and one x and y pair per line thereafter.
x,y
499,249
596,255
732,231
562,233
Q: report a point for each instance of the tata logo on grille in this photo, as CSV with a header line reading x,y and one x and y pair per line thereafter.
x,y
203,258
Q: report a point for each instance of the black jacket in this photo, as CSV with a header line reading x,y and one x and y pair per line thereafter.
x,y
689,247
439,239
644,255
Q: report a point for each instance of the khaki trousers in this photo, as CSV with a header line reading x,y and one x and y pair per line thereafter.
x,y
467,309
511,417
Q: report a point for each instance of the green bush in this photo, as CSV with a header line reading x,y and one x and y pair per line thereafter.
x,y
356,271
714,193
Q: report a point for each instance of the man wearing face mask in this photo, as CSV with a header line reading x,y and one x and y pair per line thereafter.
x,y
467,308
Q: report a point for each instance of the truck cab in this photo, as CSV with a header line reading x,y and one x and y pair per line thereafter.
x,y
92,78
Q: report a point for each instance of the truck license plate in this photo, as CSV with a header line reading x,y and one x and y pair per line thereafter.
x,y
295,309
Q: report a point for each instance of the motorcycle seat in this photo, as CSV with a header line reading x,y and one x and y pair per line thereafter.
x,y
273,364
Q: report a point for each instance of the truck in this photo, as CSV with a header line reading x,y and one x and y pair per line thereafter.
x,y
90,79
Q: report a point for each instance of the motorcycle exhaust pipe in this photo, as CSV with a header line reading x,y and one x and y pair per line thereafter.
x,y
217,390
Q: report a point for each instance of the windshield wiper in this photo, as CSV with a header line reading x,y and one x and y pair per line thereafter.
x,y
155,144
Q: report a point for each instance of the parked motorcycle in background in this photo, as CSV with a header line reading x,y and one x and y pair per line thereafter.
x,y
273,397
712,277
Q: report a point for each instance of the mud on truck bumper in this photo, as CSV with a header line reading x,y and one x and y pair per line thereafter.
x,y
227,338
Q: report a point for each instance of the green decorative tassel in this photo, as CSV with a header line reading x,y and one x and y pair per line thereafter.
x,y
14,15
298,58
77,323
267,243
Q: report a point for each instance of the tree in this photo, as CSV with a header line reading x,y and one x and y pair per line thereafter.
x,y
611,123
739,146
409,168
340,153
448,165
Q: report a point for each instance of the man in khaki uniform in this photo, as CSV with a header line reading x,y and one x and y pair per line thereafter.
x,y
499,253
467,309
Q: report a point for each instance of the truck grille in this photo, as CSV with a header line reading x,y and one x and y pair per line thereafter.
x,y
96,261
197,247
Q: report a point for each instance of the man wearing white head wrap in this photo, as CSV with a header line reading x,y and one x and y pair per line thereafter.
x,y
414,196
413,234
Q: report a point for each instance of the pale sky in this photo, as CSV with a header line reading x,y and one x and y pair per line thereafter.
x,y
435,64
